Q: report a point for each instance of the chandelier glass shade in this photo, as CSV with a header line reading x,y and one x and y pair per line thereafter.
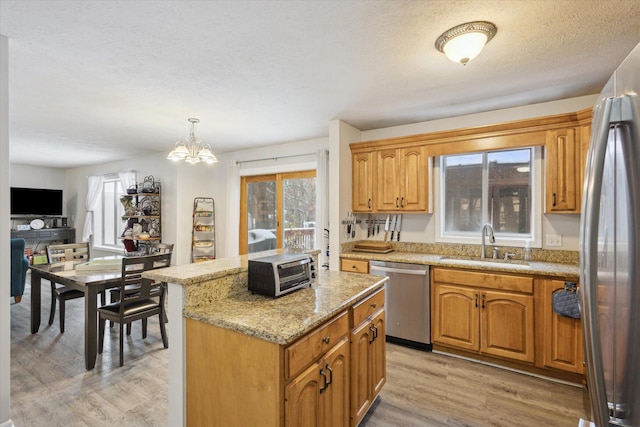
x,y
191,149
464,42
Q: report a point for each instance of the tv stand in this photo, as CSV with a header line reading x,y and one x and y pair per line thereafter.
x,y
65,235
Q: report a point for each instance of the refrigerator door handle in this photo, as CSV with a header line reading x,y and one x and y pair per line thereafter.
x,y
631,153
589,253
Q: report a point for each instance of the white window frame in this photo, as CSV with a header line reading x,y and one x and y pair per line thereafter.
x,y
98,219
502,239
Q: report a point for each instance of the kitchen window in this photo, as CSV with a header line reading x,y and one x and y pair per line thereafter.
x,y
498,187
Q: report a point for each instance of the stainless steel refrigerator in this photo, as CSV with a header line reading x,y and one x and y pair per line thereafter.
x,y
609,253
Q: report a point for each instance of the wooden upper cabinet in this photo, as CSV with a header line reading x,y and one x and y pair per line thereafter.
x,y
401,179
362,180
387,180
562,170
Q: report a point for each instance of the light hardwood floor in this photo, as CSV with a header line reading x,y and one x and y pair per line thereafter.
x,y
49,385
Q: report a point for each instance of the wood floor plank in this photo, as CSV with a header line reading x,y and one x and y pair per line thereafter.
x,y
50,386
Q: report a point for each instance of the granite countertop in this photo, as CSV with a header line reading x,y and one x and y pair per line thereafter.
x,y
553,269
189,274
285,319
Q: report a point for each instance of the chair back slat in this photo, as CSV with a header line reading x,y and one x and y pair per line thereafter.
x,y
132,269
161,248
59,254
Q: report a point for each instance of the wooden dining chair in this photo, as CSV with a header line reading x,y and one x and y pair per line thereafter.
x,y
57,255
147,300
161,248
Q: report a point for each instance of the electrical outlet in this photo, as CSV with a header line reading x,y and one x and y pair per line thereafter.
x,y
554,240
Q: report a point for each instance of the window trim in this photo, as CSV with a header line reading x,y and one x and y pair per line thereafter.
x,y
502,239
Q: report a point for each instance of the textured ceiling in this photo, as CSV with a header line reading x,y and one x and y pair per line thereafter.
x,y
95,81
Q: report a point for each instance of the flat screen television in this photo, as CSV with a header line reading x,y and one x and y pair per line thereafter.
x,y
36,201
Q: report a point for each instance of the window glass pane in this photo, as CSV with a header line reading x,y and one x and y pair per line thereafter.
x,y
299,199
510,190
261,212
109,226
463,193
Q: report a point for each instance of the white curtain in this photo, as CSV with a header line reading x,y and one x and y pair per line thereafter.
x,y
322,205
94,192
127,179
232,234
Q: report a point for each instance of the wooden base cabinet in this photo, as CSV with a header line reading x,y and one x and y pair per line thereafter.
x,y
562,336
368,356
320,395
487,313
237,380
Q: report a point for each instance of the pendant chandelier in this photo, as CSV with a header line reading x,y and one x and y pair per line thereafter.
x,y
191,149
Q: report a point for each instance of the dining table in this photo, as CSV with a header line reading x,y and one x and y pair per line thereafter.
x,y
91,277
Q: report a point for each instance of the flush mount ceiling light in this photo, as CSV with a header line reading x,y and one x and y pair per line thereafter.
x,y
464,42
192,150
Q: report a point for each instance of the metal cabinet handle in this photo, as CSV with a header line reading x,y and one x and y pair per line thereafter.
x,y
397,201
326,340
325,384
483,296
476,300
554,200
402,202
330,375
374,305
373,336
369,203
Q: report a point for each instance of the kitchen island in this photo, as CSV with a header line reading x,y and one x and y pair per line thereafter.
x,y
236,357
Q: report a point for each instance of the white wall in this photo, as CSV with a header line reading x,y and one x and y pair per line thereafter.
x,y
181,183
163,170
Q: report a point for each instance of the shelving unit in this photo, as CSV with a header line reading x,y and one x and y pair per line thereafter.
x,y
144,214
203,241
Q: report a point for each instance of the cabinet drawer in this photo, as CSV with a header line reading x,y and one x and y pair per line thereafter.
x,y
354,265
366,308
484,280
303,352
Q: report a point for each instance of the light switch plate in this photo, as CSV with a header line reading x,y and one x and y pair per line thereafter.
x,y
554,240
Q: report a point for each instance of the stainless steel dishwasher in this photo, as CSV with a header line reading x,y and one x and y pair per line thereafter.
x,y
407,299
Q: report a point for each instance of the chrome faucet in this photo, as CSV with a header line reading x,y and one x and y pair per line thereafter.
x,y
492,238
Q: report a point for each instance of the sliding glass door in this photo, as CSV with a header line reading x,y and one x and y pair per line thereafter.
x,y
278,211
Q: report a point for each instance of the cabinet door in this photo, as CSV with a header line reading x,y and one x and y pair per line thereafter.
x,y
302,398
388,180
562,341
378,355
562,171
360,369
334,400
506,325
455,316
414,179
362,177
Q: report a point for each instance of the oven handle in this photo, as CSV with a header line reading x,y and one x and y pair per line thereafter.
x,y
398,270
295,263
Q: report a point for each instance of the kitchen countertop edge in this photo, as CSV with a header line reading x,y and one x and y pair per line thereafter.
x,y
436,260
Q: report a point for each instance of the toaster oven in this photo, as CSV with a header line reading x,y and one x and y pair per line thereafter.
x,y
277,275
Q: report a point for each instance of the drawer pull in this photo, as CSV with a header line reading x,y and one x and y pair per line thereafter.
x,y
374,305
354,266
326,340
